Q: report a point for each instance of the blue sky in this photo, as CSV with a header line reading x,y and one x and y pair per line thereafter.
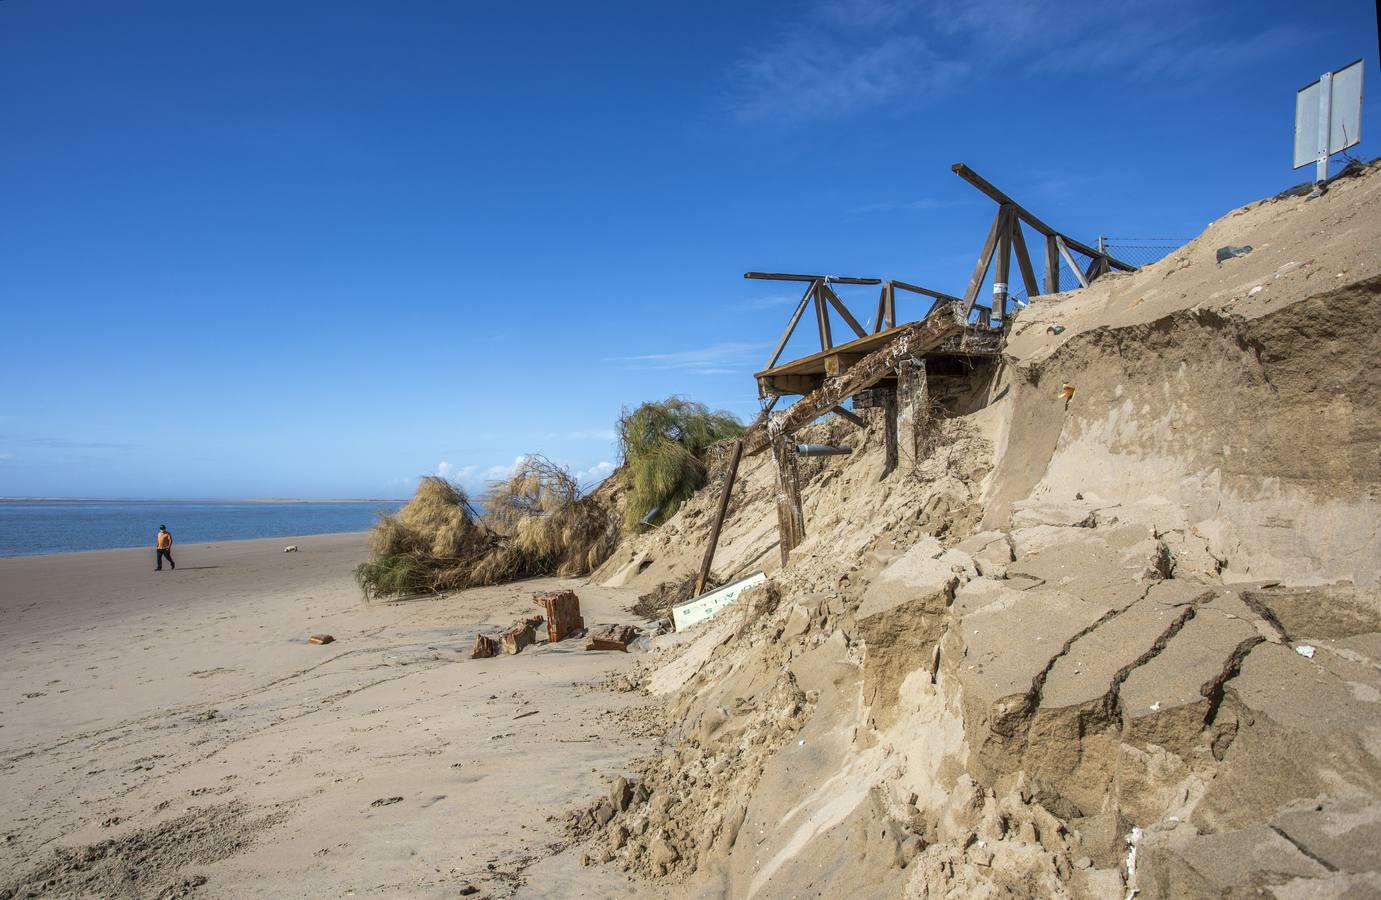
x,y
318,249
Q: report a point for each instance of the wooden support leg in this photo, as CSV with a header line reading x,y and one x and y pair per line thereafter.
x,y
1052,266
889,431
724,493
790,519
913,397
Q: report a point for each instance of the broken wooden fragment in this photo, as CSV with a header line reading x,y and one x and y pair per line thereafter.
x,y
612,637
517,637
320,639
485,647
563,613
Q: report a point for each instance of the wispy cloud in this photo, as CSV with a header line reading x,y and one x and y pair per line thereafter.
x,y
717,359
808,74
843,57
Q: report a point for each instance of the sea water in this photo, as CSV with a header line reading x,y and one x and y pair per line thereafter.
x,y
29,527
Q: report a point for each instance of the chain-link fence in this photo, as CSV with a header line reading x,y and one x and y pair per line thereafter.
x,y
1134,251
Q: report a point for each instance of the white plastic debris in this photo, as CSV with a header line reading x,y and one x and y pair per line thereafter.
x,y
1256,290
1305,650
1155,707
1133,838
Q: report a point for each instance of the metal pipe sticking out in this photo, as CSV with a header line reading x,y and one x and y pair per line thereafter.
x,y
822,450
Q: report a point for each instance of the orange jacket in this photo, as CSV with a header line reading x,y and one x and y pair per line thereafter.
x,y
165,540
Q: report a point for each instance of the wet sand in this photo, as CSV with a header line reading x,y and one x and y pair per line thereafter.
x,y
173,731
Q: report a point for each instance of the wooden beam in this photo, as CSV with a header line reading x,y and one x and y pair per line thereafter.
x,y
980,271
891,290
791,327
986,187
917,337
837,364
882,307
774,276
1028,274
822,317
924,291
730,474
789,384
1064,251
843,311
1052,265
847,416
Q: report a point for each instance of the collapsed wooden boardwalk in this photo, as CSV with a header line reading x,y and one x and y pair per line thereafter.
x,y
888,368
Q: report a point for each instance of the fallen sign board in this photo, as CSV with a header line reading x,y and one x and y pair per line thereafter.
x,y
708,605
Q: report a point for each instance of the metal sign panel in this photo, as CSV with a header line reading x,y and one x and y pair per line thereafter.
x,y
1328,115
706,606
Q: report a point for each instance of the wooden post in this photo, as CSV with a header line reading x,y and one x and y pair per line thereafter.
x,y
791,524
1052,266
914,398
1028,275
889,431
822,317
891,305
1004,263
980,270
723,507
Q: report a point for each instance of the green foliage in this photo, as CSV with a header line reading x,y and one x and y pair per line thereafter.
x,y
663,447
393,576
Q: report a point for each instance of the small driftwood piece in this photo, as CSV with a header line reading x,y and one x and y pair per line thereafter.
x,y
320,639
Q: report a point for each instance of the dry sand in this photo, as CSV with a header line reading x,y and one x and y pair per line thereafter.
x,y
168,733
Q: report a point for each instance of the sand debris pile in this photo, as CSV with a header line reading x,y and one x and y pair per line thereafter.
x,y
1118,640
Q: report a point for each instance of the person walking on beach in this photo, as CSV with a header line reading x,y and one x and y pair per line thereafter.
x,y
165,548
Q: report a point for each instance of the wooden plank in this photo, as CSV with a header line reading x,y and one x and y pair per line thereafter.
x,y
791,327
843,310
1052,266
847,416
1028,274
889,432
891,290
773,276
882,308
1064,251
822,318
916,337
980,270
729,475
986,187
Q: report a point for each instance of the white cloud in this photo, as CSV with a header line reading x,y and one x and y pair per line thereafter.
x,y
598,472
500,471
716,359
443,469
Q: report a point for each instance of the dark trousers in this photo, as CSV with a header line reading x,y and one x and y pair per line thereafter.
x,y
165,554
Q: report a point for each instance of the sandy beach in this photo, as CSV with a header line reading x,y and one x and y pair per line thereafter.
x,y
164,732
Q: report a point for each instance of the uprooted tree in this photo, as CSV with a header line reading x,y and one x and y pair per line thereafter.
x,y
663,446
535,522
